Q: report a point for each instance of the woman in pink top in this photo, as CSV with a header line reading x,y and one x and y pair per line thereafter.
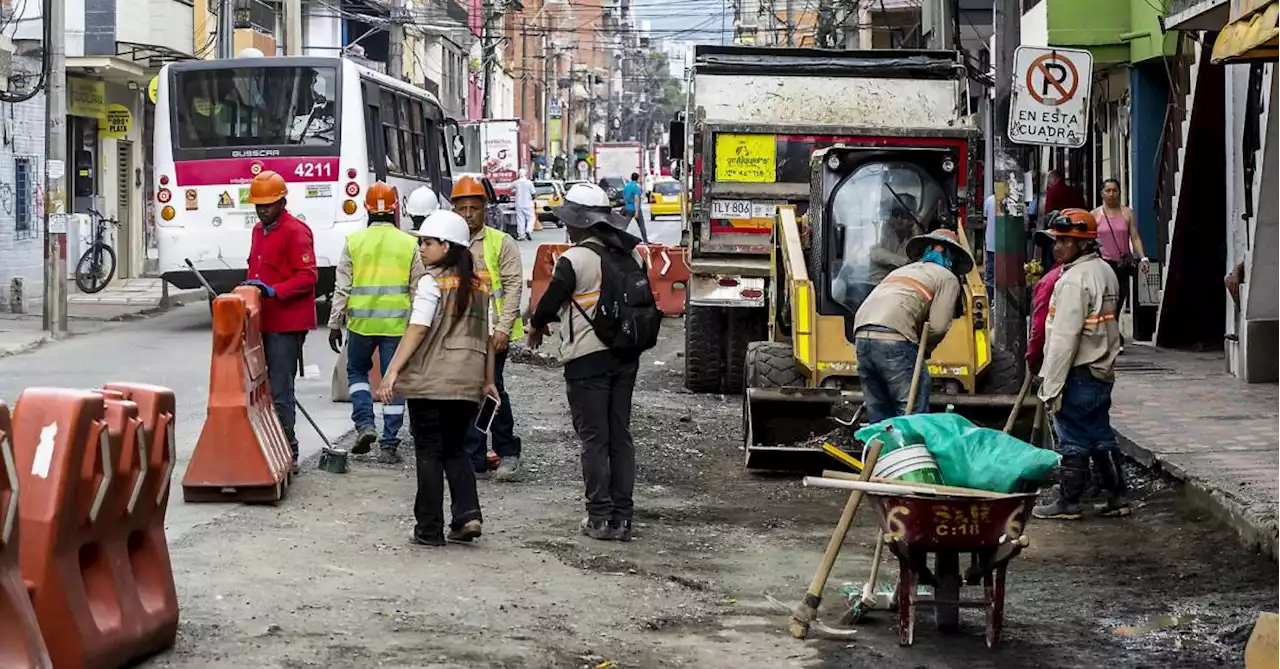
x,y
1118,238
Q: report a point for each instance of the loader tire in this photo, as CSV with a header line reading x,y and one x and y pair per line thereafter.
x,y
769,364
1003,376
703,349
744,327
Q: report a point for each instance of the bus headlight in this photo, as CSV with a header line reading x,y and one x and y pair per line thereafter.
x,y
349,207
167,213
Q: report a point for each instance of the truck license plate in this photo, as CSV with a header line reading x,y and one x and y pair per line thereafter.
x,y
731,209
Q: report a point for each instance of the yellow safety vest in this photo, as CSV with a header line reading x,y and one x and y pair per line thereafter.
x,y
492,248
381,259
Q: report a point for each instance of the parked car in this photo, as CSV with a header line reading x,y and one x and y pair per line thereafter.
x,y
613,188
547,194
666,200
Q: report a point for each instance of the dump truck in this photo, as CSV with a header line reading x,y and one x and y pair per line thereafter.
x,y
754,117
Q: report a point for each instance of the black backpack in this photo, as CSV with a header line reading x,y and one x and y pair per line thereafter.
x,y
627,319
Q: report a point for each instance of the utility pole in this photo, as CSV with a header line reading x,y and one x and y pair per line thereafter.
x,y
395,39
55,174
790,25
226,29
548,64
486,57
292,28
1011,228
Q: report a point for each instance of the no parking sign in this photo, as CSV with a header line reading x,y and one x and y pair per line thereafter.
x,y
1051,89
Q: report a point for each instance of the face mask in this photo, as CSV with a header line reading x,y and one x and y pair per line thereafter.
x,y
934,256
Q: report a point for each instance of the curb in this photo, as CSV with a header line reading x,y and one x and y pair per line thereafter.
x,y
1249,520
25,348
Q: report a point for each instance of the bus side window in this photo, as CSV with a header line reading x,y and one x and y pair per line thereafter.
x,y
391,133
419,139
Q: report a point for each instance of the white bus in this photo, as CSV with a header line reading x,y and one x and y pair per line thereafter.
x,y
329,126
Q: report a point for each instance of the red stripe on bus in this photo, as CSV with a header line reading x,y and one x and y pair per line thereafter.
x,y
224,171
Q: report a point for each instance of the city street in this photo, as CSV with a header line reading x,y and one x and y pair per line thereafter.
x,y
327,578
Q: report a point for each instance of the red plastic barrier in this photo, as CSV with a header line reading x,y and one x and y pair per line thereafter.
x,y
21,644
242,454
63,454
141,551
668,274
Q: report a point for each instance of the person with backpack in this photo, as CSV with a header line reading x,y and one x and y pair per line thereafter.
x,y
599,293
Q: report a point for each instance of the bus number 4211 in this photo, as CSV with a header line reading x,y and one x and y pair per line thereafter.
x,y
313,170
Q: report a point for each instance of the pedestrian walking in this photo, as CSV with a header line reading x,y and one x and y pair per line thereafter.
x,y
371,297
444,368
588,295
524,193
888,325
422,201
1119,241
1082,340
282,265
497,259
633,204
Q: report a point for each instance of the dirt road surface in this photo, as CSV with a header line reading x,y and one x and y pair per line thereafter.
x,y
329,579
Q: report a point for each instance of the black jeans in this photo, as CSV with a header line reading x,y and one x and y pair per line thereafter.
x,y
1124,275
503,430
282,350
439,431
601,410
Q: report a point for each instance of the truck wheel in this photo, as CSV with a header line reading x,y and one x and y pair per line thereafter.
x,y
744,327
1003,376
768,364
703,349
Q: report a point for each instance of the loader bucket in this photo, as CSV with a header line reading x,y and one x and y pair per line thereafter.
x,y
784,428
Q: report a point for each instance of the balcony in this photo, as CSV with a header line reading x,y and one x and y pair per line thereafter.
x,y
145,32
1115,31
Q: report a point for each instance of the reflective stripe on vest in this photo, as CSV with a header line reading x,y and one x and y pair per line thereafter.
x,y
381,259
492,250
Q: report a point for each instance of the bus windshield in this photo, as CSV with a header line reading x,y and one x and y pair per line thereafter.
x,y
258,106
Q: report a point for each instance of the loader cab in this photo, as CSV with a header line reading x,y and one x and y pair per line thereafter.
x,y
875,199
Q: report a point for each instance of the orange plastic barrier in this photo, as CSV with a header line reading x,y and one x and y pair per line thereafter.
x,y
64,454
141,551
21,645
242,454
668,274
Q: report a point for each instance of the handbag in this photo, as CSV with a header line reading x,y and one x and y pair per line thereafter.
x,y
1126,261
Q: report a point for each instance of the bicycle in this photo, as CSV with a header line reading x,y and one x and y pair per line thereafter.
x,y
98,264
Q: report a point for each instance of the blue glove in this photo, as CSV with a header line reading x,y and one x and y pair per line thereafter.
x,y
257,283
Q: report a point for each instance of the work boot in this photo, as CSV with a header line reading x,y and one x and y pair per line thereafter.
x,y
364,440
1113,483
621,530
466,532
596,529
1071,478
390,456
508,470
426,541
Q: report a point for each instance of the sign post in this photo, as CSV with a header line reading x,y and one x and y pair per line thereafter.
x,y
1051,89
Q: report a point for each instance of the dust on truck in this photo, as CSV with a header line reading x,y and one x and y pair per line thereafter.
x,y
754,117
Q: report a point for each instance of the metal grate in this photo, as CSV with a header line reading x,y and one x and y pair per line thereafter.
x,y
24,223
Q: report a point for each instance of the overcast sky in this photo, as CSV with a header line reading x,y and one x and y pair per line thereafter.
x,y
700,21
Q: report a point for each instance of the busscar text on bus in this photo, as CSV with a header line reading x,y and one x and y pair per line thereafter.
x,y
328,125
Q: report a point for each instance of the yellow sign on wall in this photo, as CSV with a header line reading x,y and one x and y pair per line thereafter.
x,y
86,97
117,121
746,158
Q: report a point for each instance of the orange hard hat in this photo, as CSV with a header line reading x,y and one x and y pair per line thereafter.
x,y
381,199
468,186
1076,223
267,187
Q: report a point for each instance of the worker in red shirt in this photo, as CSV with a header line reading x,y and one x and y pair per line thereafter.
x,y
282,264
1041,294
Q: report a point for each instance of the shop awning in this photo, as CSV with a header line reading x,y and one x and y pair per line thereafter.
x,y
1252,34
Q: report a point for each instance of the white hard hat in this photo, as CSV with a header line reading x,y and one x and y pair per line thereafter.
x,y
445,226
422,201
587,195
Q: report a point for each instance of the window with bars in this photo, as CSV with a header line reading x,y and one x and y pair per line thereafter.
x,y
24,225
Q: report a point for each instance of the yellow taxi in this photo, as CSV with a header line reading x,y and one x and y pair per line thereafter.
x,y
547,194
666,199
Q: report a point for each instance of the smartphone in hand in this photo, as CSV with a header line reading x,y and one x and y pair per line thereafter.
x,y
488,409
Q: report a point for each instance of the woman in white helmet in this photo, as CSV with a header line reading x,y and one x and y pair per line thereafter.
x,y
422,203
443,385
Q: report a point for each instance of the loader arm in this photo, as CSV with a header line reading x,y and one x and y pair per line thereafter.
x,y
799,289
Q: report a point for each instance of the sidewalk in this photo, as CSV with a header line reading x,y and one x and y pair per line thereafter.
x,y
1180,412
123,300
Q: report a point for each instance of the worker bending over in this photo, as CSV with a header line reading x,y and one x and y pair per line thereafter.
x,y
371,296
1082,340
888,324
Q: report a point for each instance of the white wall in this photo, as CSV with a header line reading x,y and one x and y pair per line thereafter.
x,y
22,254
1035,26
321,31
165,23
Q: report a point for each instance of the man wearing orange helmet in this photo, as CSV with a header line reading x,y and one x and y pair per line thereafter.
x,y
497,257
1082,341
282,264
372,298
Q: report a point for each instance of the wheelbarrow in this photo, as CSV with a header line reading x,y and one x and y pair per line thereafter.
x,y
988,529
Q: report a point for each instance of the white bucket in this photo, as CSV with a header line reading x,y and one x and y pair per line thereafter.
x,y
909,463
